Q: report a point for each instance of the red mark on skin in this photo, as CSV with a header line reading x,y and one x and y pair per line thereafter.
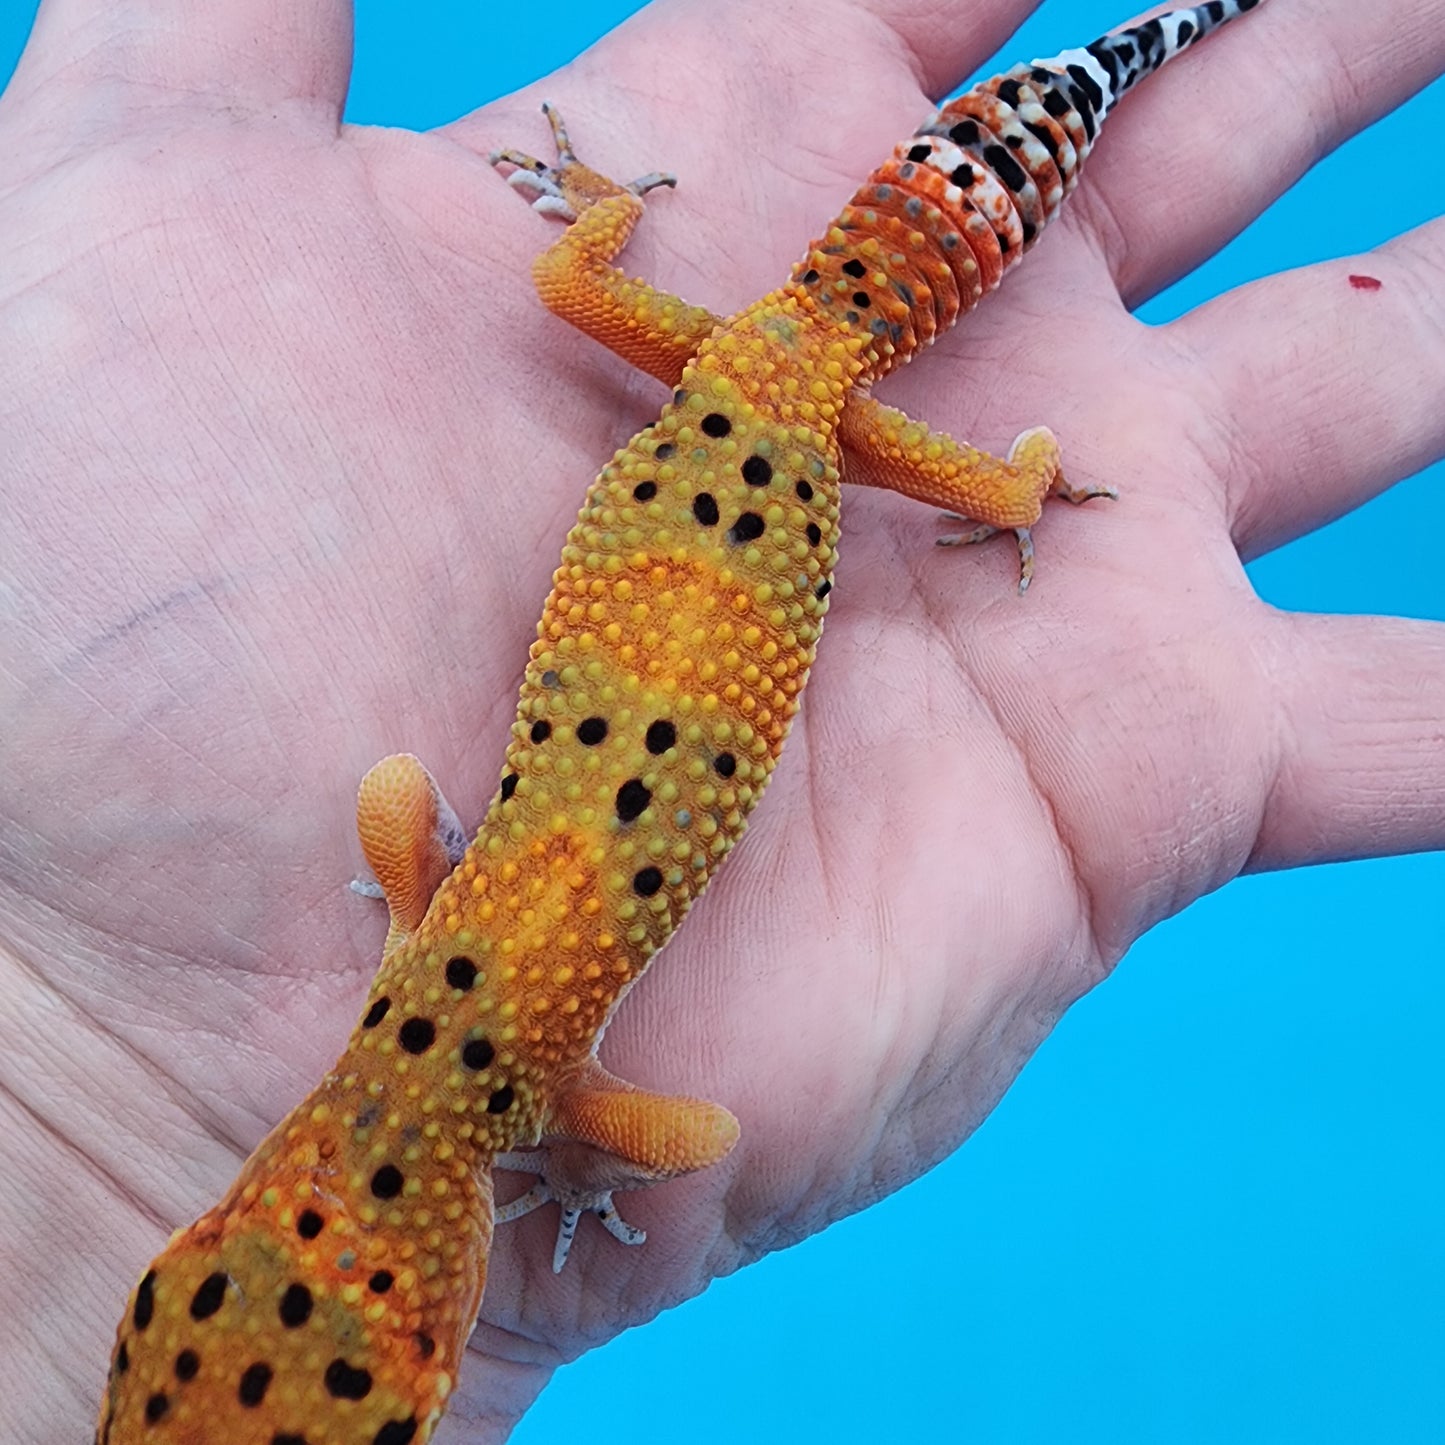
x,y
1365,283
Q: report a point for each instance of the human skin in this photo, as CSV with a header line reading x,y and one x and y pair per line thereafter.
x,y
289,448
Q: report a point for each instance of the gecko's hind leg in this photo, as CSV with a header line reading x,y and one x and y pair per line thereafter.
x,y
885,448
652,329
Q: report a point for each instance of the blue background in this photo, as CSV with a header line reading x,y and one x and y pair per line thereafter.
x,y
1210,1209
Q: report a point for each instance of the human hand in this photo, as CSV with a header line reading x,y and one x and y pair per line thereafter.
x,y
287,435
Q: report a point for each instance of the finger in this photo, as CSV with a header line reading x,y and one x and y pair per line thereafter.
x,y
1361,771
776,60
1326,385
257,52
944,42
1205,146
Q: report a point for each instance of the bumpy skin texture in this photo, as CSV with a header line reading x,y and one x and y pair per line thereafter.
x,y
328,1298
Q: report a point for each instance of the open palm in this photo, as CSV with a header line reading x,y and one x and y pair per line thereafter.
x,y
288,451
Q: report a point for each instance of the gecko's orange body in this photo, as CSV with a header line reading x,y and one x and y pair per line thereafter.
x,y
328,1298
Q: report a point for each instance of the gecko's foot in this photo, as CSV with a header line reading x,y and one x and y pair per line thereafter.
x,y
1061,488
1057,487
574,1202
983,532
567,188
411,837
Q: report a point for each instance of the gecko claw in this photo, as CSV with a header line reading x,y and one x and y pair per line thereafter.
x,y
575,1203
568,186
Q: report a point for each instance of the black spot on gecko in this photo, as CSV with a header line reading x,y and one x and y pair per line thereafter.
x,y
254,1384
804,491
591,731
748,528
501,1100
309,1225
1186,31
1008,92
426,1346
862,300
1088,84
347,1382
286,1439
965,133
726,764
824,588
122,1359
1056,103
645,491
461,973
1006,168
632,799
188,1362
376,1013
810,277
661,735
1043,137
396,1432
208,1296
1107,58
295,1306
541,731
416,1036
1086,111
509,786
917,153
381,1281
477,1054
704,508
963,176
145,1301
815,533
647,881
385,1183
156,1408
856,269
715,424
664,451
757,471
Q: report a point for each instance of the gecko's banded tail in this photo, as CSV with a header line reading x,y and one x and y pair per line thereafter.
x,y
1100,73
960,201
